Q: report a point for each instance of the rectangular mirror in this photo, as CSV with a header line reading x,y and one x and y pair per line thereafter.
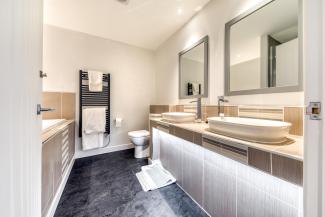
x,y
262,53
193,70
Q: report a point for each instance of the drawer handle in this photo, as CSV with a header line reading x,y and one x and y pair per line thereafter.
x,y
227,147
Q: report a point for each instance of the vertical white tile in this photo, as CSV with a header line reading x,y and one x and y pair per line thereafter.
x,y
252,202
155,144
278,188
192,158
219,188
171,154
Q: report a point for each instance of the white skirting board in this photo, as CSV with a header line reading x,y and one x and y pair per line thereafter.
x,y
56,199
108,149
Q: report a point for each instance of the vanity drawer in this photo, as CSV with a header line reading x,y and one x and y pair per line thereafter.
x,y
197,138
259,159
183,134
287,169
162,127
236,153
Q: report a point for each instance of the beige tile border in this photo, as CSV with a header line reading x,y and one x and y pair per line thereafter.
x,y
293,115
64,104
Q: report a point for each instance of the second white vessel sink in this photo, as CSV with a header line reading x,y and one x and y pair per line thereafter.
x,y
178,117
254,130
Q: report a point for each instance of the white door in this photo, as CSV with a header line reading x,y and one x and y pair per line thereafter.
x,y
314,68
20,92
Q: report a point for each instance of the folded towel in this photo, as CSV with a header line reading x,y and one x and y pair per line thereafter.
x,y
93,128
93,120
92,141
196,88
95,81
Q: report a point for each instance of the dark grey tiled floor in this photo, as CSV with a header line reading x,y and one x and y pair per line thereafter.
x,y
106,185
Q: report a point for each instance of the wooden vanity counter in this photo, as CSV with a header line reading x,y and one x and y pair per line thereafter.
x,y
55,129
284,161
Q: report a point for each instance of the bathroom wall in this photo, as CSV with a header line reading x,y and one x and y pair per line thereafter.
x,y
210,21
132,77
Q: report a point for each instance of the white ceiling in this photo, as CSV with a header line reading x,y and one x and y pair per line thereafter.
x,y
143,23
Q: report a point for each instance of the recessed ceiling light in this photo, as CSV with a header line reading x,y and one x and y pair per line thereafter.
x,y
180,11
123,1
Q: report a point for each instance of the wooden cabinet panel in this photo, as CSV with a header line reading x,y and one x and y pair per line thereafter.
x,y
197,138
288,169
184,134
47,174
57,153
71,141
57,157
259,159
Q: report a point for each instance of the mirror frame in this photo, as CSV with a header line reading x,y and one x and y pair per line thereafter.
x,y
205,41
295,88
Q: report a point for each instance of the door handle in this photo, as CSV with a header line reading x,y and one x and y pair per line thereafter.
x,y
40,109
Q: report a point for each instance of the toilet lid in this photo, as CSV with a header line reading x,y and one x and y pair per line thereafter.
x,y
140,133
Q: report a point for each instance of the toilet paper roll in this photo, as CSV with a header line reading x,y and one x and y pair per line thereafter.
x,y
118,122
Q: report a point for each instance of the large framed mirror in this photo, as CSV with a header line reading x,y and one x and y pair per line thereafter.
x,y
262,50
193,70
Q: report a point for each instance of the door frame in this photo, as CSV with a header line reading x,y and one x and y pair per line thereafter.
x,y
313,67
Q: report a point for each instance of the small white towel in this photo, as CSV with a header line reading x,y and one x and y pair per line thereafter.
x,y
196,88
93,128
92,141
95,81
93,120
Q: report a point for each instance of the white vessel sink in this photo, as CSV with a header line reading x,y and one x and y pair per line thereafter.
x,y
178,117
254,130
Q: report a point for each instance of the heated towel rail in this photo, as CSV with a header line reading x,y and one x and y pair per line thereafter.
x,y
94,99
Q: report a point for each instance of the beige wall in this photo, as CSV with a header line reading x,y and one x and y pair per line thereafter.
x,y
210,21
132,76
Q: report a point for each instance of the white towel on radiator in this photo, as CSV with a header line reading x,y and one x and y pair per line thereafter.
x,y
93,120
93,128
95,80
92,141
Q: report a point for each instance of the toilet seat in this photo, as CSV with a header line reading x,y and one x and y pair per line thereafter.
x,y
139,134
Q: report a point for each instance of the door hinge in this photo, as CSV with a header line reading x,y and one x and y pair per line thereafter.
x,y
42,74
314,110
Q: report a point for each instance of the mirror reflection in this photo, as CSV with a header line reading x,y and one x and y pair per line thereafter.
x,y
193,70
263,48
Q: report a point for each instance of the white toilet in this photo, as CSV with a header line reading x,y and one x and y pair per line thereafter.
x,y
140,139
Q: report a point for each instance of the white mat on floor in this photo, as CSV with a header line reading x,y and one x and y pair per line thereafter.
x,y
154,176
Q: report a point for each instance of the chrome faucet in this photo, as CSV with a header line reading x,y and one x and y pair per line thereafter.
x,y
198,108
221,99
